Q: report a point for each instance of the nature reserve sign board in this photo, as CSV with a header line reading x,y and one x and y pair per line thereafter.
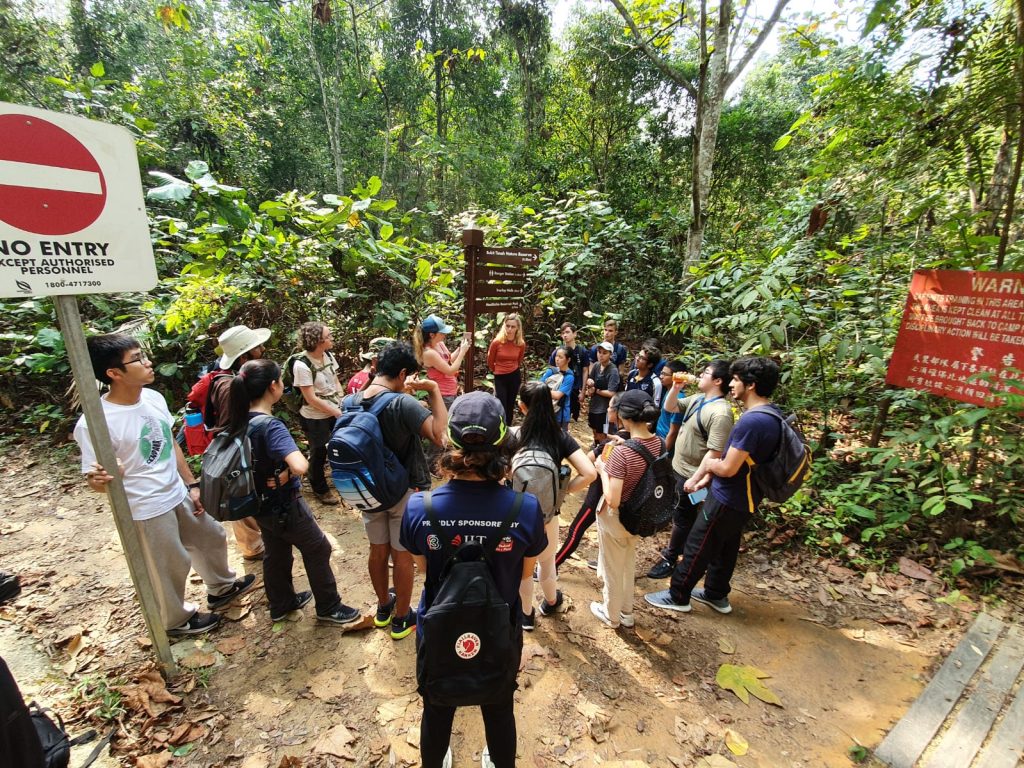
x,y
960,333
72,216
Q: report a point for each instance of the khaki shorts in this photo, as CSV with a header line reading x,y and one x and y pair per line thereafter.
x,y
384,525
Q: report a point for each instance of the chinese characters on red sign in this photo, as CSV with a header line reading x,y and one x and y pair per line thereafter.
x,y
960,332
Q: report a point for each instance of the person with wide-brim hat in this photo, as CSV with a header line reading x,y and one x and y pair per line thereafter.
x,y
236,346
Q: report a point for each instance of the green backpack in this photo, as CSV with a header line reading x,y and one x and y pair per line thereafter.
x,y
293,399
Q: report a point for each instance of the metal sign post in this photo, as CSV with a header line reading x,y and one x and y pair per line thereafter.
x,y
73,221
472,243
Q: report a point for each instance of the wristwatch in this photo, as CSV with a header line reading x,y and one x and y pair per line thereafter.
x,y
193,486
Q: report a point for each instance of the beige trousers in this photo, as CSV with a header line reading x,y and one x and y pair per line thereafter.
x,y
616,564
248,536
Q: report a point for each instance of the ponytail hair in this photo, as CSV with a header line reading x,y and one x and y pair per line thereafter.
x,y
250,384
540,428
420,341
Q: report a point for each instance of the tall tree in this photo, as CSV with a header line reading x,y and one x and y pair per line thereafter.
x,y
719,35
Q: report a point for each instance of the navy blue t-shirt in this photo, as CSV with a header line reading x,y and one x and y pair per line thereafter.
x,y
269,449
471,511
758,434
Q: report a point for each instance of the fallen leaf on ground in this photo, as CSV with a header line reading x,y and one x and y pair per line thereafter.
x,y
149,693
1004,561
69,635
335,742
725,645
743,680
364,623
327,684
915,570
290,761
155,760
236,612
735,742
715,761
198,659
230,645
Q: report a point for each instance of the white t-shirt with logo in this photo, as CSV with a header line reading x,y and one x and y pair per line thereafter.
x,y
324,381
143,440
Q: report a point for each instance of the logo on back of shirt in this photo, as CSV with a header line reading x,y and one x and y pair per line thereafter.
x,y
155,441
659,491
505,545
433,543
468,645
457,541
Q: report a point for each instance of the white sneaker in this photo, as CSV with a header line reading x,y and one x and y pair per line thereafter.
x,y
485,759
447,762
602,615
626,619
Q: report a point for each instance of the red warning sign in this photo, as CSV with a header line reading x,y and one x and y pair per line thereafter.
x,y
50,184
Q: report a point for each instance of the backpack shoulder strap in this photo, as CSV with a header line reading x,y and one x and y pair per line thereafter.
x,y
774,413
380,402
639,448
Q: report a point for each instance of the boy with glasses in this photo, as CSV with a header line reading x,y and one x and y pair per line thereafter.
x,y
175,533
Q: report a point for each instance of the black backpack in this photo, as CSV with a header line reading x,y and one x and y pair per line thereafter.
x,y
789,466
227,485
649,508
468,647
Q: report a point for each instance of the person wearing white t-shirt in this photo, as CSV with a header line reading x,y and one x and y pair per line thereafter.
x,y
315,373
174,531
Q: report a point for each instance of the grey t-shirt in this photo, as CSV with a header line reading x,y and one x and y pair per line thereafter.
x,y
400,423
607,380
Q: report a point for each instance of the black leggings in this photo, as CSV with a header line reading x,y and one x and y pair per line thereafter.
x,y
318,432
499,727
583,520
506,389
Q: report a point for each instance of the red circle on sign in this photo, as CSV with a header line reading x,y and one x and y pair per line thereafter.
x,y
50,184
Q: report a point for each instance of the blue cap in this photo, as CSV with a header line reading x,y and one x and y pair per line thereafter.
x,y
434,324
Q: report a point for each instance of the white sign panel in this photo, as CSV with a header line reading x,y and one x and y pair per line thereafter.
x,y
72,217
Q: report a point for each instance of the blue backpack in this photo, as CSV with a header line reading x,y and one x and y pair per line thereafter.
x,y
365,471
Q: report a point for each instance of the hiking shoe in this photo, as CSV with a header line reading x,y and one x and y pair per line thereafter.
x,y
664,600
403,626
239,588
592,565
259,557
627,620
199,624
485,759
10,586
530,621
301,600
661,570
599,611
386,612
549,609
343,614
721,604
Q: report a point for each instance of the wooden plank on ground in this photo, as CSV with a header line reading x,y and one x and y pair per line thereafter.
x,y
973,722
908,739
1006,749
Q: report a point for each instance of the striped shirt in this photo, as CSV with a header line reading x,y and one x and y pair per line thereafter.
x,y
629,465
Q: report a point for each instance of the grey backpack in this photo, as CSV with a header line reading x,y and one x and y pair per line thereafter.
x,y
534,471
227,486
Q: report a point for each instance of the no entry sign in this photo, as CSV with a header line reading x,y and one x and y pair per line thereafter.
x,y
72,217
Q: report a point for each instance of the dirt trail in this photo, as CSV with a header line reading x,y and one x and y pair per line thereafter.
x,y
588,695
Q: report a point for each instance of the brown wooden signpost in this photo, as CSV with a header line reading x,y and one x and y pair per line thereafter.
x,y
495,282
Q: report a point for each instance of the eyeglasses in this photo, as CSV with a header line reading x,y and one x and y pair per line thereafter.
x,y
706,373
142,357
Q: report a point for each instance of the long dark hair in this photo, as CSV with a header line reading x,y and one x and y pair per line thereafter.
x,y
252,382
540,428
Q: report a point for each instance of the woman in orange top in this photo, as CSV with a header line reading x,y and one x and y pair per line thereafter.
x,y
505,360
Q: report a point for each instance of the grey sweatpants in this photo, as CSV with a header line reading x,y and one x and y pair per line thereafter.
x,y
173,543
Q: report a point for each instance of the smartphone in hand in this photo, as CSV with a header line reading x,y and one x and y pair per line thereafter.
x,y
698,496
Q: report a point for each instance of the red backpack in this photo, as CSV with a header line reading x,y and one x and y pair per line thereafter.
x,y
197,433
